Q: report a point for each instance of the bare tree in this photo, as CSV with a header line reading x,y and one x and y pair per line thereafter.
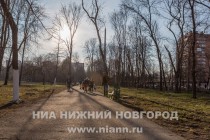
x,y
71,16
145,11
57,61
176,11
14,29
199,19
55,33
119,24
8,66
90,50
140,46
93,14
30,28
4,37
192,9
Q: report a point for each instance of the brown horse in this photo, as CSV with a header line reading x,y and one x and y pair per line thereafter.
x,y
85,85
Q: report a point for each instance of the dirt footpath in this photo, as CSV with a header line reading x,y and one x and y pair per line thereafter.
x,y
19,123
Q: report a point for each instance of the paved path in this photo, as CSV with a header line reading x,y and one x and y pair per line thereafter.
x,y
19,124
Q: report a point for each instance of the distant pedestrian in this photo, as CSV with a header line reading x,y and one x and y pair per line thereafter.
x,y
94,86
80,84
68,84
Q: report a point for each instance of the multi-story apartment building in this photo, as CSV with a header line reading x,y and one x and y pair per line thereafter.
x,y
202,51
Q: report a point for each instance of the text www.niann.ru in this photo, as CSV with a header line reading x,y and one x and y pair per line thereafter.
x,y
106,129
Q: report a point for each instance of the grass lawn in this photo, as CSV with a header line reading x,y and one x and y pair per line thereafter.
x,y
29,92
194,114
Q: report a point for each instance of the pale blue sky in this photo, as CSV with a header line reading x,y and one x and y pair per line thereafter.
x,y
86,29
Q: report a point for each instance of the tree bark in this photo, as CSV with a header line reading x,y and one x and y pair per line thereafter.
x,y
7,69
192,6
22,62
14,48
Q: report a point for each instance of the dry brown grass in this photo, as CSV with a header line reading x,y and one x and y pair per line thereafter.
x,y
28,92
194,114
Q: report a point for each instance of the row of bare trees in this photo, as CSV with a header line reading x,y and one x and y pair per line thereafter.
x,y
149,43
44,68
19,28
69,16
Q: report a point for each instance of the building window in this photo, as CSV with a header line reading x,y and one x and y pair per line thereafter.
x,y
199,49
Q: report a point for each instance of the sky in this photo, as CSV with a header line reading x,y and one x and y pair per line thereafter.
x,y
85,30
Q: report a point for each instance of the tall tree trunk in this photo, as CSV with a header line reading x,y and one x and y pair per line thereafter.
x,y
22,62
160,63
14,48
57,61
94,19
1,59
192,6
8,69
3,40
70,60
